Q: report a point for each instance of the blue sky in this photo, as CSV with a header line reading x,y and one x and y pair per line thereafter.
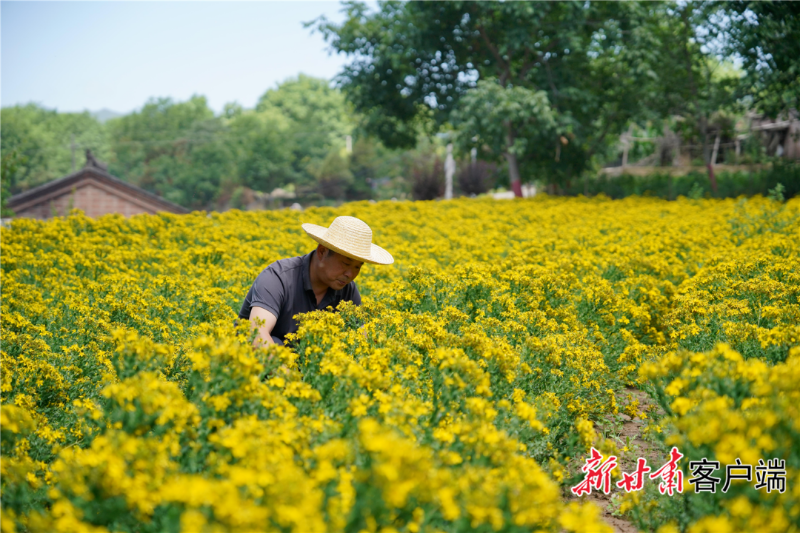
x,y
73,56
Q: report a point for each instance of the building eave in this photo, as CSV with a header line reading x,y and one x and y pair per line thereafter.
x,y
63,185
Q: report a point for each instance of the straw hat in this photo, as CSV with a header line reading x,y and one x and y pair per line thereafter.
x,y
351,237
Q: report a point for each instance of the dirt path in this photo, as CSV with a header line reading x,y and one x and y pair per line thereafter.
x,y
618,524
627,433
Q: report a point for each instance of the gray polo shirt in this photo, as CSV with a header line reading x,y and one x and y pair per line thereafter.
x,y
284,289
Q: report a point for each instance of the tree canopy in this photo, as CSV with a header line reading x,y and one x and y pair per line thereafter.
x,y
42,139
600,66
766,36
593,65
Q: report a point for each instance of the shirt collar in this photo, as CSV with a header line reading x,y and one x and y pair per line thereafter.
x,y
307,271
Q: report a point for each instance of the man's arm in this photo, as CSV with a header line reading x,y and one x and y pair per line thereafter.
x,y
267,321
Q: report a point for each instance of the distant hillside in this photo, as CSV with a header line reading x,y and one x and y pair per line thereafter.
x,y
105,114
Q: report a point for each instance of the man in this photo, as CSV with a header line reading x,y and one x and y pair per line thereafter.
x,y
314,281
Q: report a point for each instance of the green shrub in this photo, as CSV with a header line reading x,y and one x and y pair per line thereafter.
x,y
662,185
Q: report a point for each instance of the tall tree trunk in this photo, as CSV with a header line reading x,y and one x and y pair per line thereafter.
x,y
711,162
707,153
626,143
715,151
704,137
513,164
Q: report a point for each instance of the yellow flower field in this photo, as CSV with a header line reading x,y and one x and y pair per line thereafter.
x,y
458,397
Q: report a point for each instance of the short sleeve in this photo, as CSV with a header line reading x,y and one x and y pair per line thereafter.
x,y
355,296
268,292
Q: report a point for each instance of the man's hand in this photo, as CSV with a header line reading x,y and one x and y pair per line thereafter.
x,y
263,321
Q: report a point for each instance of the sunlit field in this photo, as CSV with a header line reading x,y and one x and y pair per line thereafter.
x,y
464,394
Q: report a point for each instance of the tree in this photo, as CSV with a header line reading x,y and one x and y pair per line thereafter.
x,y
184,153
695,83
263,148
177,150
43,141
317,116
365,166
766,36
512,121
418,59
8,169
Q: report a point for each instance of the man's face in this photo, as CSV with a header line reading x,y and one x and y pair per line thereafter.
x,y
337,270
